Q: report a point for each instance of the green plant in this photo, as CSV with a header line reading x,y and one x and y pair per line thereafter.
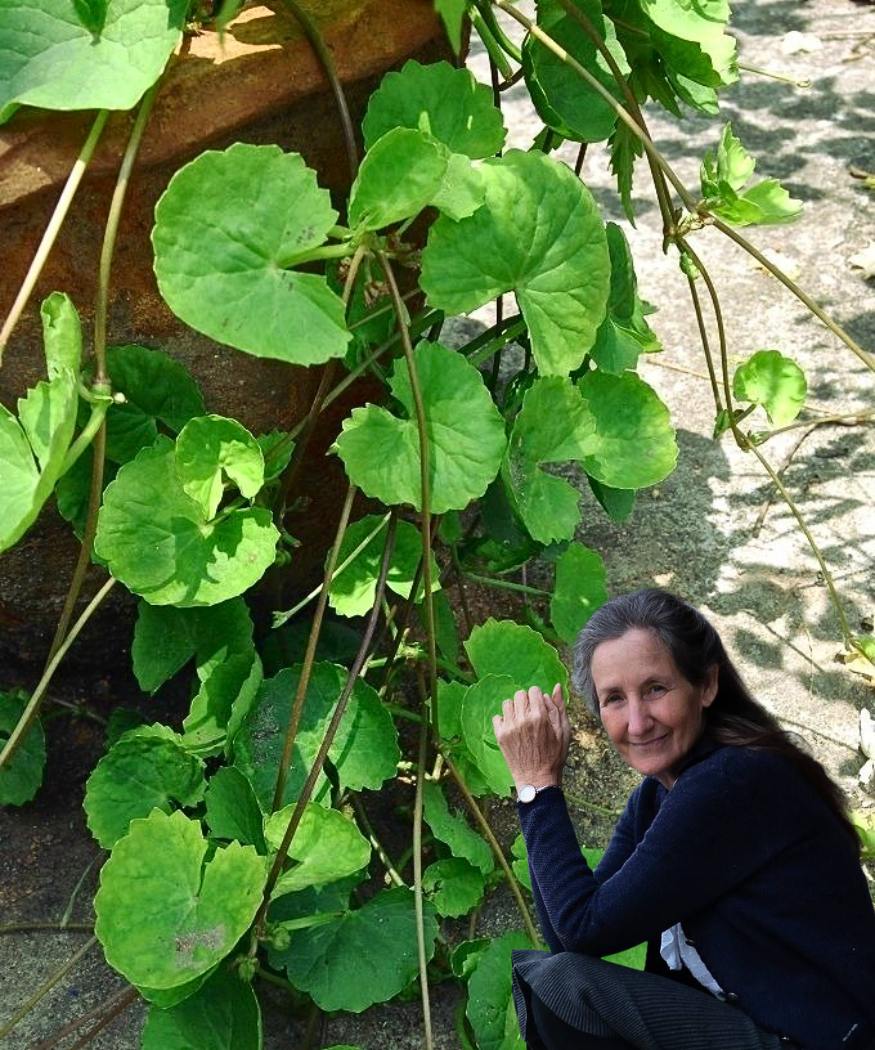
x,y
240,842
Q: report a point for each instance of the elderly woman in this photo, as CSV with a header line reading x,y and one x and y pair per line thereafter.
x,y
734,859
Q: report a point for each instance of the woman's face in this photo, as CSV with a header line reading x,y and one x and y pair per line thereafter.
x,y
652,714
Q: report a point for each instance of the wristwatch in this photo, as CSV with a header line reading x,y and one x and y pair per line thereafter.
x,y
527,792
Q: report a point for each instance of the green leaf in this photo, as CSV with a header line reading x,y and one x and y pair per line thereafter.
x,y
232,810
482,701
446,632
163,917
446,103
578,591
212,448
226,695
454,886
520,865
222,1015
548,429
21,776
277,447
227,229
692,39
723,175
773,381
502,647
400,174
625,148
353,590
616,503
453,830
625,333
364,751
147,768
563,100
628,439
450,708
326,846
464,428
452,14
54,61
464,957
326,961
157,388
165,998
489,995
160,544
62,334
539,235
120,720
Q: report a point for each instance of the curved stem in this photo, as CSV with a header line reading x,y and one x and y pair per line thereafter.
x,y
310,653
417,864
32,710
317,42
47,986
53,229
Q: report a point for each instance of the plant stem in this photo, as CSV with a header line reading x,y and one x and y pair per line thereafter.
x,y
417,863
507,585
402,712
310,653
317,42
849,419
68,911
48,927
496,848
385,859
114,1007
87,434
47,986
706,345
32,710
53,229
319,760
782,78
323,252
425,494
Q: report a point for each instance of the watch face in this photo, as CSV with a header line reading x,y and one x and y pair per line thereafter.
x,y
526,793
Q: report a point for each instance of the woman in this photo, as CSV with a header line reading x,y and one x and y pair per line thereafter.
x,y
734,859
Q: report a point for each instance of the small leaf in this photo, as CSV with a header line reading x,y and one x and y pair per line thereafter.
x,y
54,60
222,257
482,701
139,773
452,14
400,174
502,647
618,504
326,961
520,864
464,428
211,448
453,830
160,544
163,917
326,846
21,776
454,886
62,333
232,810
222,1015
450,708
226,694
539,235
773,381
579,590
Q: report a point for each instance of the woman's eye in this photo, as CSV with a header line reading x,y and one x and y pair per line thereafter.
x,y
656,690
614,698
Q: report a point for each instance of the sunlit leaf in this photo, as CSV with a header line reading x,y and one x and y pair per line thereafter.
x,y
210,449
400,174
770,379
502,647
326,846
482,701
578,591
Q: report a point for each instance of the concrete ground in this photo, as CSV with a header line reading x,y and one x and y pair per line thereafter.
x,y
713,531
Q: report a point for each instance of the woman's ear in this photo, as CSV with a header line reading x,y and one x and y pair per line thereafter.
x,y
709,690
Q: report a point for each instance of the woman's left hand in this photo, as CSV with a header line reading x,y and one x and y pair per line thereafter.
x,y
534,734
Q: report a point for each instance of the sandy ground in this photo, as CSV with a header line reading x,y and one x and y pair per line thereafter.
x,y
713,531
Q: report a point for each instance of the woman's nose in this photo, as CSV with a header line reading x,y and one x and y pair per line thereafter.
x,y
640,719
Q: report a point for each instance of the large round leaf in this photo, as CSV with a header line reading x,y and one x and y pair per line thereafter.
x,y
481,703
502,647
141,772
226,230
163,917
64,54
539,235
22,775
327,961
364,751
464,428
444,102
326,846
160,544
628,439
453,830
222,1015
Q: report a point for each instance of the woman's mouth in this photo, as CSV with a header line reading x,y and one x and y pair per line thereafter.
x,y
643,744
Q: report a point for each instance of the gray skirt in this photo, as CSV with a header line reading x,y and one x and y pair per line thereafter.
x,y
650,1012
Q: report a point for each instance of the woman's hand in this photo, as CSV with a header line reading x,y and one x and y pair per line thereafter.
x,y
533,734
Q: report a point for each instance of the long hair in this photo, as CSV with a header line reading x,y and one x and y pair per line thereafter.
x,y
734,717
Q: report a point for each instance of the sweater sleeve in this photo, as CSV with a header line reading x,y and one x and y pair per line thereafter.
x,y
713,830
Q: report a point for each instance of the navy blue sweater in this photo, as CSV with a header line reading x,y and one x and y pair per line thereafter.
x,y
751,860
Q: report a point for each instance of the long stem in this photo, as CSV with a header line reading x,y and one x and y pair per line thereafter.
x,y
48,927
706,345
53,228
47,986
310,653
507,585
417,864
32,710
425,487
496,848
116,1006
367,827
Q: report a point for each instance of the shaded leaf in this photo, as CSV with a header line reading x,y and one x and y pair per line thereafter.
x,y
21,776
453,885
453,830
232,810
490,1003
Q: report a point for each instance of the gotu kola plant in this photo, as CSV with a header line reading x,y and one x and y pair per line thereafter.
x,y
239,842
